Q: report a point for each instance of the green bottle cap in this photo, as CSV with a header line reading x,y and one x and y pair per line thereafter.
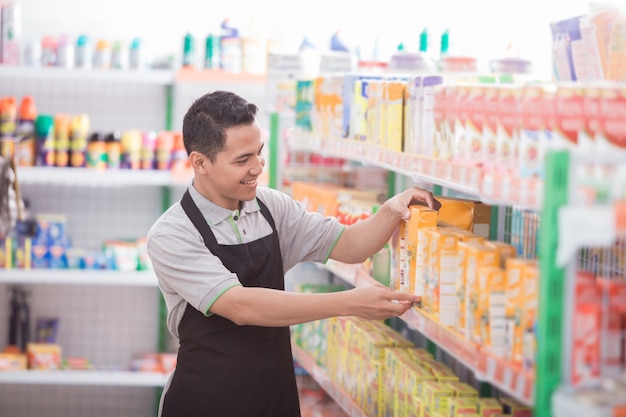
x,y
445,40
424,40
44,125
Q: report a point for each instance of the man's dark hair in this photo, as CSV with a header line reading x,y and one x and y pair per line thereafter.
x,y
206,121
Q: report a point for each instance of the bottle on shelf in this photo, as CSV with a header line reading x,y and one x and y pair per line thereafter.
x,y
25,141
79,133
44,130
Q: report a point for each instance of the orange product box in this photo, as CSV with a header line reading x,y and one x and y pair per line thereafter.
x,y
436,396
43,356
488,407
462,406
473,216
490,314
476,256
463,234
393,96
10,361
531,291
462,389
422,264
408,247
505,250
442,276
514,308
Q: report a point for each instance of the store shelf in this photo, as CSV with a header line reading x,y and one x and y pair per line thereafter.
x,y
465,178
343,399
159,77
99,378
78,277
217,76
487,367
97,178
569,403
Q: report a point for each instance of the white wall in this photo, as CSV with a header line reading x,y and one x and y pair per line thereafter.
x,y
483,28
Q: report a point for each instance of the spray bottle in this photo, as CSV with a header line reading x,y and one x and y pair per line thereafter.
x,y
26,142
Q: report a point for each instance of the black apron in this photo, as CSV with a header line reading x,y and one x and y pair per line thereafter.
x,y
226,370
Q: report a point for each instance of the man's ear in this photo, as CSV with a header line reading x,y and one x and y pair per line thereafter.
x,y
198,161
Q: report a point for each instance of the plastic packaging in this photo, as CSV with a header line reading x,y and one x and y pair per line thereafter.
x,y
49,51
212,52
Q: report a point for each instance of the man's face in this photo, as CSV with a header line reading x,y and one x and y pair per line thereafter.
x,y
233,176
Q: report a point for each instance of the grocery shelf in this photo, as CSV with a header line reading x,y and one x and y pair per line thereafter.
x,y
217,76
569,403
78,277
506,376
159,77
88,377
465,178
343,399
97,178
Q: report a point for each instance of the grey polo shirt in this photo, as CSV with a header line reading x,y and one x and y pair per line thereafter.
x,y
187,272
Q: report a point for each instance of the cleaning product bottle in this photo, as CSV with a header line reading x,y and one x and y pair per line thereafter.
x,y
189,51
212,52
62,140
134,54
26,144
83,57
231,48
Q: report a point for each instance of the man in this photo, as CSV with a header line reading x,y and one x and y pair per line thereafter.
x,y
220,255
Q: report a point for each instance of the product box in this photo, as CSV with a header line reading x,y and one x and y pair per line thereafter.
x,y
6,253
488,407
462,389
507,136
23,252
422,264
393,96
473,216
417,375
504,249
13,361
514,408
441,143
462,406
430,86
412,143
442,276
407,248
476,255
491,316
375,116
436,396
43,356
531,290
442,372
514,308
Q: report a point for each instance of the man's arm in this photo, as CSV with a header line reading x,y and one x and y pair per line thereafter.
x,y
364,238
274,308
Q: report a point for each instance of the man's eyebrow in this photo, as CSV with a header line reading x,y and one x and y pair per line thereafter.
x,y
249,154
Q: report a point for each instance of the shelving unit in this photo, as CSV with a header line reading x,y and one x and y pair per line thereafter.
x,y
319,374
85,378
78,277
486,366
